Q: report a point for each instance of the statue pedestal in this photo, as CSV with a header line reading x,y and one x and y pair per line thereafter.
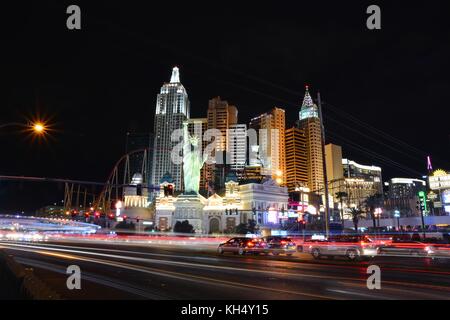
x,y
190,207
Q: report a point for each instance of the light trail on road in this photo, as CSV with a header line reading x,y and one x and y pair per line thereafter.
x,y
294,279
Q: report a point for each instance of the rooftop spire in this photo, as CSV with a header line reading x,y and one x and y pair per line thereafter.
x,y
307,100
429,166
175,78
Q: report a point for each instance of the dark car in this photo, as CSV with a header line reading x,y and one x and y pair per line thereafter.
x,y
405,247
280,245
242,246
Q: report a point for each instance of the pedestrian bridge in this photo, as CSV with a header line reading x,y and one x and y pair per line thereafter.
x,y
49,225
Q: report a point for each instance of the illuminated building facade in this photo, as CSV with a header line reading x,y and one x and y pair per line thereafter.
x,y
333,160
353,170
309,122
439,183
296,159
136,200
252,173
164,203
403,195
265,202
221,116
359,182
172,109
271,130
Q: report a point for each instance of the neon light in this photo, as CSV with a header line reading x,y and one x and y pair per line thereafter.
x,y
406,180
360,166
429,166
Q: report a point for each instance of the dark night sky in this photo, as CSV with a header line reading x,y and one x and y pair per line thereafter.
x,y
98,83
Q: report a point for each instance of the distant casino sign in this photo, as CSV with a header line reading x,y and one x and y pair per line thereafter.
x,y
439,180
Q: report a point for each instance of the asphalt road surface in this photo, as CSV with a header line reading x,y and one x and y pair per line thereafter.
x,y
124,271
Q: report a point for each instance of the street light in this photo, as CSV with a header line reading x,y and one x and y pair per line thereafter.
x,y
378,212
39,128
36,127
118,207
397,215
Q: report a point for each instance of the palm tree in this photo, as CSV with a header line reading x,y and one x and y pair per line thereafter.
x,y
371,204
341,195
356,215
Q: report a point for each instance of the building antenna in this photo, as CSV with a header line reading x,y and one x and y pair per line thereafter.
x,y
429,166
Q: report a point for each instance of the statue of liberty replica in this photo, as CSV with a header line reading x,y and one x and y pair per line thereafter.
x,y
189,205
193,161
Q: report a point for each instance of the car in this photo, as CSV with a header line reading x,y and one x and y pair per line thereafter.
x,y
435,248
280,245
405,247
353,247
438,251
242,245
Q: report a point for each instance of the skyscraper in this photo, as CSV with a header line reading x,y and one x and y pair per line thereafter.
x,y
296,159
368,173
221,116
271,127
358,181
309,121
172,109
333,156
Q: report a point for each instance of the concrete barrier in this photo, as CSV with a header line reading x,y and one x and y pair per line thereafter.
x,y
405,221
22,283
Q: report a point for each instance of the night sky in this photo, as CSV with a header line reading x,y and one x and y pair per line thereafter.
x,y
386,92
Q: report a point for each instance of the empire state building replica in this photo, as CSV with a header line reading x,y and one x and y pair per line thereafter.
x,y
172,109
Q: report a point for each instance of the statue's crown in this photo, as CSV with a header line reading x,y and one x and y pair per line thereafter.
x,y
193,139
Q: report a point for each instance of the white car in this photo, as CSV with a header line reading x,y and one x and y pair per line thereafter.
x,y
353,247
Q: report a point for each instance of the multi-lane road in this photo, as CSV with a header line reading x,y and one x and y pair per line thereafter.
x,y
129,271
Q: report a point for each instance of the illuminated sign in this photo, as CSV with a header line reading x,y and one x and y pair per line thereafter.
x,y
311,210
272,216
439,182
432,196
292,214
446,197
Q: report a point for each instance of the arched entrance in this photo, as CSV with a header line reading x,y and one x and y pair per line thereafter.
x,y
214,225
